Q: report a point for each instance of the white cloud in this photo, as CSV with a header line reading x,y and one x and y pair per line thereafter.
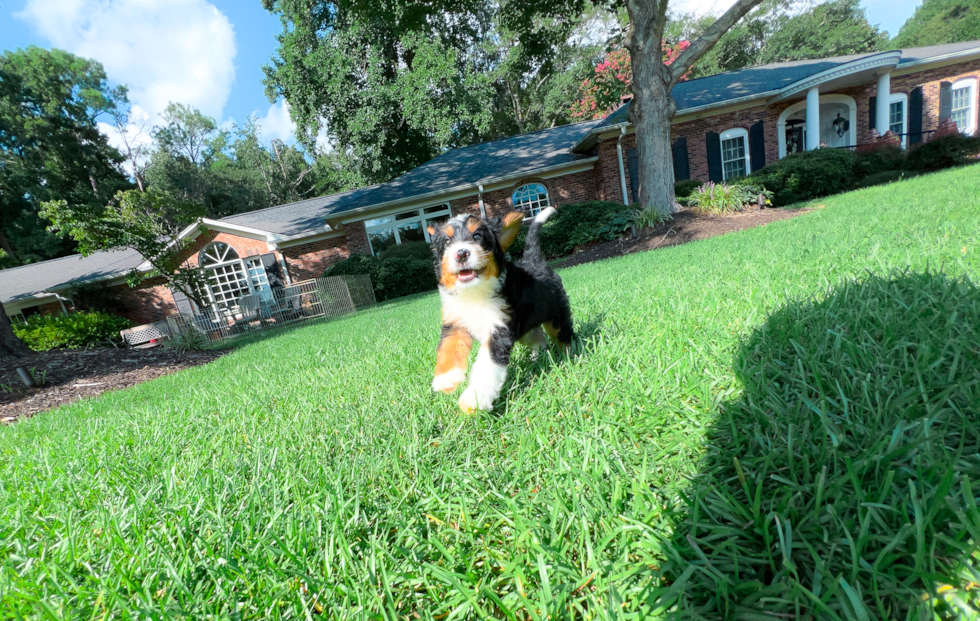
x,y
170,50
276,123
701,7
136,133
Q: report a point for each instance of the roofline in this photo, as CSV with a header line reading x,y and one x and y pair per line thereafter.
x,y
221,227
873,61
305,238
343,215
917,65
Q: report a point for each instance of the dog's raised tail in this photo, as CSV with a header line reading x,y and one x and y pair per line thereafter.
x,y
532,251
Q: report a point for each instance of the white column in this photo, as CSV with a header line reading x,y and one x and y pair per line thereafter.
x,y
813,118
881,105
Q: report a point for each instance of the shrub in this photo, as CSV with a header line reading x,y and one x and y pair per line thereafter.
x,y
804,176
409,250
516,249
686,187
390,278
720,197
943,152
878,157
648,218
583,223
72,331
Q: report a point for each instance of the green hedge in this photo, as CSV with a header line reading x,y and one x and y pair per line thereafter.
x,y
392,277
580,224
72,331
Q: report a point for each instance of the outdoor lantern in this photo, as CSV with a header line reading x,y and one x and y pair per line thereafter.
x,y
840,125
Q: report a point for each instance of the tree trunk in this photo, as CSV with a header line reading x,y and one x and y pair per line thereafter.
x,y
10,345
652,108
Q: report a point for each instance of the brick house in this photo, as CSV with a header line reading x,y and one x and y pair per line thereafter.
x,y
726,126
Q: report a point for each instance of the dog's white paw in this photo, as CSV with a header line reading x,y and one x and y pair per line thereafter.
x,y
470,401
448,381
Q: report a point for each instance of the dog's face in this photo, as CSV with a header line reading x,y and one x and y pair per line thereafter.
x,y
470,250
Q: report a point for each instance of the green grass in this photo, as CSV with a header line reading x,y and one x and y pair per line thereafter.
x,y
722,445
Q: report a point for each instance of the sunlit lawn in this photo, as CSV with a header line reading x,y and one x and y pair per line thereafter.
x,y
316,473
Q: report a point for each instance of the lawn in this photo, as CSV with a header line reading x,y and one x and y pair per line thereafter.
x,y
773,423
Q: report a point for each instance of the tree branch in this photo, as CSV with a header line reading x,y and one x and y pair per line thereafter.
x,y
711,36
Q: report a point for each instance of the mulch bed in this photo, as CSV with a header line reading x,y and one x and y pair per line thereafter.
x,y
70,375
687,226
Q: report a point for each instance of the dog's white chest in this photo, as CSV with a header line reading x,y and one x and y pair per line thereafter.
x,y
478,310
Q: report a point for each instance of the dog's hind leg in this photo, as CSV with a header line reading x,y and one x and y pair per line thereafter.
x,y
536,341
488,373
560,330
454,348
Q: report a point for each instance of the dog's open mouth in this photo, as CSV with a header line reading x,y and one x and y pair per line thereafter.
x,y
466,275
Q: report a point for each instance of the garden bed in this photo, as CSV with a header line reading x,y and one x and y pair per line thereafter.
x,y
69,375
687,226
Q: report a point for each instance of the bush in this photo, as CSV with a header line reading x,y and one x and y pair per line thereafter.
x,y
686,187
409,250
391,278
583,223
804,176
878,158
943,152
648,218
516,249
72,331
722,197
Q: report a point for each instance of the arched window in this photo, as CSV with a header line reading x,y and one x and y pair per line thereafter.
x,y
531,198
735,153
225,272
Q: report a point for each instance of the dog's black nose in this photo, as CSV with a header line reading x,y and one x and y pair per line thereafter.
x,y
462,254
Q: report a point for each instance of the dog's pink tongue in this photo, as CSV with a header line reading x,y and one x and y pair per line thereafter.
x,y
466,275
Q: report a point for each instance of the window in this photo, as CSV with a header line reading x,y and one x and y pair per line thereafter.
x,y
225,275
898,115
735,153
404,227
964,110
531,198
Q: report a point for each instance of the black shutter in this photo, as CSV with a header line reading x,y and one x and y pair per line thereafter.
x,y
272,269
678,150
915,115
712,142
872,112
945,100
632,160
757,145
184,306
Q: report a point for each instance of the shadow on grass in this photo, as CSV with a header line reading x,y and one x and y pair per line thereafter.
x,y
842,484
524,369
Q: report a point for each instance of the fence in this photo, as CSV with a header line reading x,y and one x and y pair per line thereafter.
x,y
317,298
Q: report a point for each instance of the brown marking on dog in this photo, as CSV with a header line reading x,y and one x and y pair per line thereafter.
x,y
447,278
431,229
453,350
472,224
449,230
553,333
512,226
490,268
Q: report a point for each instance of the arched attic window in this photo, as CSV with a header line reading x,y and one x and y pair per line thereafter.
x,y
531,198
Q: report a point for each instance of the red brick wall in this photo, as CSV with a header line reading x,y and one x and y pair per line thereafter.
x,y
357,239
244,246
309,260
564,190
151,301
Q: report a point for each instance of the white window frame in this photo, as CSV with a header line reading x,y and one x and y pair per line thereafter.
x,y
391,221
904,100
730,134
971,114
535,206
253,281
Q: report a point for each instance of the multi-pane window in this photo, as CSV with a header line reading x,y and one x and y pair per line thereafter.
x,y
228,277
734,153
227,283
257,275
964,105
402,228
896,117
531,198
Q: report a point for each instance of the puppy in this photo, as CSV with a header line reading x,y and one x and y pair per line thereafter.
x,y
490,299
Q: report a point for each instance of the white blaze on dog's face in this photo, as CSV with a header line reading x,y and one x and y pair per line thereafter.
x,y
468,251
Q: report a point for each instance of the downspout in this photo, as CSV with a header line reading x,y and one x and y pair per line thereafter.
x,y
622,171
483,210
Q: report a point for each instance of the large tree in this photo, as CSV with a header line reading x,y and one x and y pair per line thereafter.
x,y
940,21
51,146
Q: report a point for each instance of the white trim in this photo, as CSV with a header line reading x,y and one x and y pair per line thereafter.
x,y
876,61
296,240
936,61
394,224
801,105
970,83
464,190
895,98
729,134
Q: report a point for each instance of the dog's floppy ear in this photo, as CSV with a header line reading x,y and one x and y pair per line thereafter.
x,y
431,229
511,227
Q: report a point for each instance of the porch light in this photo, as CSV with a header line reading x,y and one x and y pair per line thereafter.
x,y
840,125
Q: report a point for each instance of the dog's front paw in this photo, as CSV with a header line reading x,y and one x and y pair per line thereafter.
x,y
448,381
470,401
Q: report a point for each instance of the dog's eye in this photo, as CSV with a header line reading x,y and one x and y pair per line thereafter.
x,y
477,237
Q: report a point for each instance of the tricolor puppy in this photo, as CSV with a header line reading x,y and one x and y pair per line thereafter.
x,y
488,298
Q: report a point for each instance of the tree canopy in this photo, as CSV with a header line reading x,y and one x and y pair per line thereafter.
x,y
940,21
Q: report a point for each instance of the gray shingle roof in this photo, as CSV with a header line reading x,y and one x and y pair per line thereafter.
x,y
17,283
719,88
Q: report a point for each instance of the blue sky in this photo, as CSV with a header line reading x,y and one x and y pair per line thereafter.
x,y
209,53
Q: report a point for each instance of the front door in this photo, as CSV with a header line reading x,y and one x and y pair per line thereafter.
x,y
795,140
